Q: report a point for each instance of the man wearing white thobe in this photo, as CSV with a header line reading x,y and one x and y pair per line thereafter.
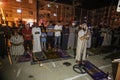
x,y
36,32
89,40
80,45
83,35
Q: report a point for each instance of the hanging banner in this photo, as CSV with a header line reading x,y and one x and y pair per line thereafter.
x,y
118,6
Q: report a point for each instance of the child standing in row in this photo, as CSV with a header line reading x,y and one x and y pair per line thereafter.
x,y
43,39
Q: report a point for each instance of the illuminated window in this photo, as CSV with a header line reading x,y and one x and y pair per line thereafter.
x,y
54,14
30,1
19,10
18,0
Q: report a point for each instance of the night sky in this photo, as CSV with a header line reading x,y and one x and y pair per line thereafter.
x,y
89,4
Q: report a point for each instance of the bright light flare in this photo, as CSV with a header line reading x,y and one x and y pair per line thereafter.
x,y
1,3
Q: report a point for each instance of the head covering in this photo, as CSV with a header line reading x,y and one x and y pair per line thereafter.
x,y
84,25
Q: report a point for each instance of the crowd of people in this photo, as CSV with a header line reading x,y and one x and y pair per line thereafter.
x,y
56,36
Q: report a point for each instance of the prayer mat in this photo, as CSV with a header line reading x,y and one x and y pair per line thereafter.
x,y
54,54
63,54
24,58
112,56
94,71
51,55
39,56
101,50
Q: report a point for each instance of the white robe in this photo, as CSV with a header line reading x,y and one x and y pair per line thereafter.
x,y
36,39
107,38
81,47
89,40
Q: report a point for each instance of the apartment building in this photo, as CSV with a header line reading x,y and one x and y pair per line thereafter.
x,y
52,11
17,10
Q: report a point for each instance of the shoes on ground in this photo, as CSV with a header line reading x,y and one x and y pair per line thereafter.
x,y
41,65
67,63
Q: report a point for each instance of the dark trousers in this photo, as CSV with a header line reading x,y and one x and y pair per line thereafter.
x,y
64,42
101,41
28,43
50,41
3,48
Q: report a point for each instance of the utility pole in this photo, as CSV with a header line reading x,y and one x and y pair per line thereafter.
x,y
73,9
81,16
37,10
75,3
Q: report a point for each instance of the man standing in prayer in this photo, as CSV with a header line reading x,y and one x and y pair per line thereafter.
x,y
27,34
50,35
7,34
71,37
89,40
83,35
65,35
36,32
58,29
3,50
107,37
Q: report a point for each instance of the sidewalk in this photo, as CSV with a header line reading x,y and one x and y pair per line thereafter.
x,y
51,70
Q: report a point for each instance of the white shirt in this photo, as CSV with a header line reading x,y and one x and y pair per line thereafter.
x,y
58,33
36,29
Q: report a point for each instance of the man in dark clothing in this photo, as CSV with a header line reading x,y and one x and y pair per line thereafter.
x,y
7,34
95,36
3,50
65,35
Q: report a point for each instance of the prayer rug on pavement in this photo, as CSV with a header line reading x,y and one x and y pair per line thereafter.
x,y
94,71
24,58
102,50
52,55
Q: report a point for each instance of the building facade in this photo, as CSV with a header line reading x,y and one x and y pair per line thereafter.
x,y
18,10
51,11
107,15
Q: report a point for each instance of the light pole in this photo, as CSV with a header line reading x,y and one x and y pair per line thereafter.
x,y
37,11
21,10
73,9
